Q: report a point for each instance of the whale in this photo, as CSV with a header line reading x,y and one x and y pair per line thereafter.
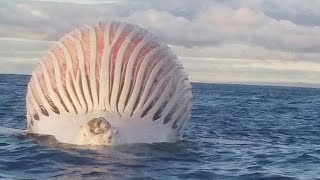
x,y
109,83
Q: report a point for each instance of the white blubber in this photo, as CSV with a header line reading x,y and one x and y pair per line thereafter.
x,y
108,84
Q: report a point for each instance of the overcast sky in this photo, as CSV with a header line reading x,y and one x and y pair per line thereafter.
x,y
225,41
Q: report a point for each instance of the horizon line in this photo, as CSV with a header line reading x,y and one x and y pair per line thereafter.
x,y
261,84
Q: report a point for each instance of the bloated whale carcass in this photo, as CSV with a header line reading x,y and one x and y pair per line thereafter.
x,y
109,83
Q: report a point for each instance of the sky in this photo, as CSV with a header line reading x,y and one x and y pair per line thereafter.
x,y
273,42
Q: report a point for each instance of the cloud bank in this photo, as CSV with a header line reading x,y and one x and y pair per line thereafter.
x,y
233,41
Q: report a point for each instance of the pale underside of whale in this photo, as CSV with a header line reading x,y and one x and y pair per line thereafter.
x,y
109,83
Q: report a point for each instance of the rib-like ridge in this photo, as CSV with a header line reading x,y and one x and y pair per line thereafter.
x,y
111,67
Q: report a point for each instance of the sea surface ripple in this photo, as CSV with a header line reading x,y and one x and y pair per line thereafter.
x,y
236,132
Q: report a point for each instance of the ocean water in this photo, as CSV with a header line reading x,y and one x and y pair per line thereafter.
x,y
236,132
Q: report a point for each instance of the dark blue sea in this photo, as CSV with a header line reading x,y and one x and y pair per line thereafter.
x,y
236,132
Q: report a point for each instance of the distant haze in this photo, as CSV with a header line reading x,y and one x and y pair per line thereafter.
x,y
274,42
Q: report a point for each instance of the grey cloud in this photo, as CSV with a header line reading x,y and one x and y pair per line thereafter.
x,y
252,71
268,24
299,12
23,48
185,23
17,65
49,20
223,25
